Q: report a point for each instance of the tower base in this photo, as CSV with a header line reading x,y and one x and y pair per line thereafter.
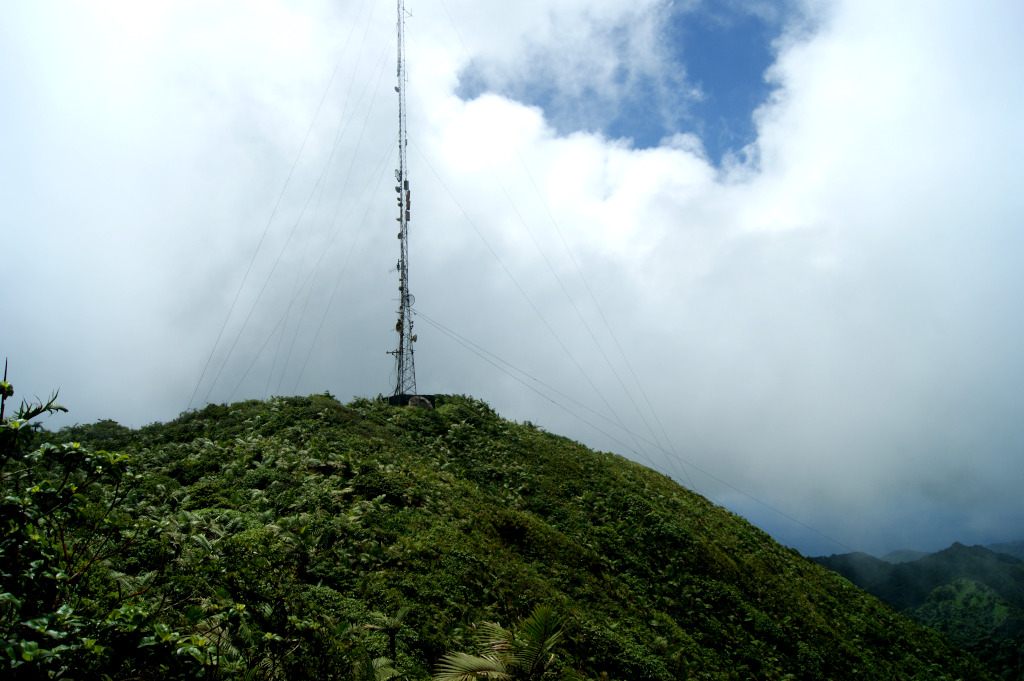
x,y
421,401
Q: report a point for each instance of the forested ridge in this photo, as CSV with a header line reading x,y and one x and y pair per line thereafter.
x,y
972,594
300,538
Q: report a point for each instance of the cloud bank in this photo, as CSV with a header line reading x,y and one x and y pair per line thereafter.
x,y
829,320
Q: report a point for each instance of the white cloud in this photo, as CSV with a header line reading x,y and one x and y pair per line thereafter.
x,y
581,59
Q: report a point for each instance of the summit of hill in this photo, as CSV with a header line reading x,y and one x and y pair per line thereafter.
x,y
302,538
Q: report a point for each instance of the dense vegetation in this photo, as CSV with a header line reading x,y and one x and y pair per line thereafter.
x,y
971,594
299,538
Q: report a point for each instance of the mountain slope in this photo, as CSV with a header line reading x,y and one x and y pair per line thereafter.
x,y
972,594
903,556
979,619
907,585
280,528
1010,548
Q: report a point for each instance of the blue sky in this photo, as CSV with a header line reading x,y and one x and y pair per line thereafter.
x,y
198,207
711,79
726,54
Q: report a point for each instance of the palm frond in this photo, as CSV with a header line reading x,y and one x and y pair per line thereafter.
x,y
536,638
491,636
465,667
387,622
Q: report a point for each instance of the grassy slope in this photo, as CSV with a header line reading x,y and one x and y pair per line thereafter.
x,y
326,513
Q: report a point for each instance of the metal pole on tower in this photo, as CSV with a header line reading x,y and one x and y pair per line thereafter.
x,y
405,370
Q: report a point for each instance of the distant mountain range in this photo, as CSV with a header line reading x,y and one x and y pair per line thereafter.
x,y
974,595
903,556
1010,548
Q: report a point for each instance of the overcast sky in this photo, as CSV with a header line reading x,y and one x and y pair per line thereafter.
x,y
774,250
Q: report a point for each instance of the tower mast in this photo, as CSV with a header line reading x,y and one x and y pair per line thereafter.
x,y
405,369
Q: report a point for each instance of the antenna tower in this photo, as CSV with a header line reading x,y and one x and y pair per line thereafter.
x,y
405,369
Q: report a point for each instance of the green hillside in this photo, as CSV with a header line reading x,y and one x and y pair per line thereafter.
x,y
300,538
971,594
